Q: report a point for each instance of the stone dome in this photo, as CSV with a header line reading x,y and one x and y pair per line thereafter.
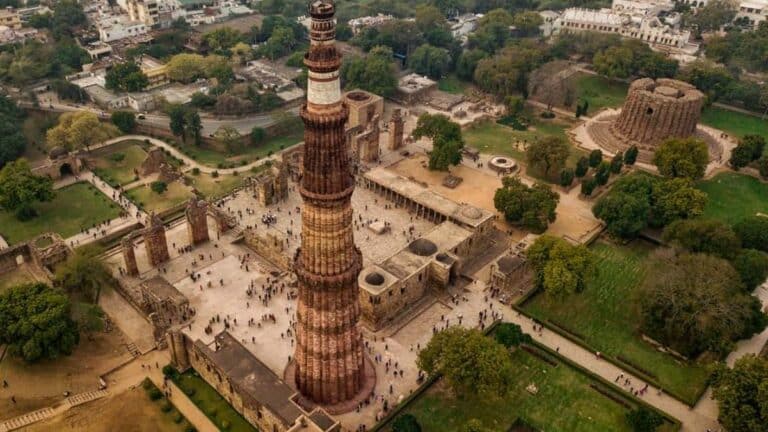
x,y
374,278
422,247
471,212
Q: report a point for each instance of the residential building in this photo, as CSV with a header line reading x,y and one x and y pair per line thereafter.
x,y
114,28
9,17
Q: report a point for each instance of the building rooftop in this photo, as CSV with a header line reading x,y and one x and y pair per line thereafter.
x,y
413,83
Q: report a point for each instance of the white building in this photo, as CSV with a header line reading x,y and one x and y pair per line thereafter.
x,y
548,19
119,27
358,24
463,25
754,11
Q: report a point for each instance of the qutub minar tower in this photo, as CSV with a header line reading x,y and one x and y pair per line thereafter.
x,y
330,364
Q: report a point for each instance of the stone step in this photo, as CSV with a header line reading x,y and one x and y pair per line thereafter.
x,y
82,398
131,347
26,419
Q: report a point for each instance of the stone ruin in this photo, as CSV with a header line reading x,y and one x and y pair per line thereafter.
x,y
396,130
129,255
156,162
452,181
367,142
268,246
196,214
293,160
271,186
164,305
155,244
60,163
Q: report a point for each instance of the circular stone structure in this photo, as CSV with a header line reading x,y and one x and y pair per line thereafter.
x,y
657,110
502,164
422,247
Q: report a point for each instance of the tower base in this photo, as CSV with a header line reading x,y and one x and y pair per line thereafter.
x,y
369,384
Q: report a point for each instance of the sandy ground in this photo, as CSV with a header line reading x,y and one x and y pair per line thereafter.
x,y
129,411
43,384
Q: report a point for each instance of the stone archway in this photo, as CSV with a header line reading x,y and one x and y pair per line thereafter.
x,y
65,170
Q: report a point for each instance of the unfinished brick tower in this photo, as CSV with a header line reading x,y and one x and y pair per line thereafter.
x,y
330,366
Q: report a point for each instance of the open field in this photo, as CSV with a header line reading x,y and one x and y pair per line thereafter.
x,y
211,403
733,197
131,411
452,84
215,157
120,171
565,402
150,201
74,207
605,317
734,123
599,91
212,187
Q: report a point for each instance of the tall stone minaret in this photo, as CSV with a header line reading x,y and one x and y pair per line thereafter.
x,y
329,348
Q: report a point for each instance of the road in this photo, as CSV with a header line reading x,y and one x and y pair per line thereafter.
x,y
210,123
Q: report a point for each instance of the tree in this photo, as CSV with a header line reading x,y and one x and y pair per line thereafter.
x,y
68,16
475,425
588,186
445,152
528,22
682,157
603,173
84,274
79,129
124,120
674,199
429,17
193,126
177,124
230,137
614,62
465,66
186,68
582,166
450,351
753,232
548,153
707,236
375,73
595,157
566,177
617,162
19,188
750,148
560,268
126,77
531,207
752,266
447,141
257,135
406,423
12,140
511,335
742,394
281,42
223,38
493,31
713,15
35,322
158,187
625,215
695,303
644,420
431,61
630,157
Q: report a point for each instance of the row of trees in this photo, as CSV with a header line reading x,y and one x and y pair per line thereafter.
x,y
12,142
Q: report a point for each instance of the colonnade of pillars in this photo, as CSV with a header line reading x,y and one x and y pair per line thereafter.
x,y
404,202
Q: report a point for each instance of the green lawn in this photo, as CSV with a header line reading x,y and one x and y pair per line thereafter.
x,y
565,402
211,403
212,187
452,84
600,92
733,197
605,315
733,122
150,201
74,207
214,157
120,172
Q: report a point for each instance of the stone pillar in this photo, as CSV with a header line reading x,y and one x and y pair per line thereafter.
x,y
155,242
396,130
129,256
197,221
178,348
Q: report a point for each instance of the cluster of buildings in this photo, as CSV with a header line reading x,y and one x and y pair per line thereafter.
x,y
12,28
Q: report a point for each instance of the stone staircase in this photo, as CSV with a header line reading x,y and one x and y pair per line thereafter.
x,y
82,398
133,349
26,419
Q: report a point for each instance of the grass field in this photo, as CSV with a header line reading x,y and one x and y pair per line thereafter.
x,y
565,402
733,197
120,172
74,207
600,92
734,123
210,187
150,201
605,315
452,84
214,157
211,403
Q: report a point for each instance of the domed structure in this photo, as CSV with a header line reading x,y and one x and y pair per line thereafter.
x,y
422,247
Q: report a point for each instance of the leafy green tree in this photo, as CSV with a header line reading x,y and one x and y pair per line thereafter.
x,y
750,148
507,72
682,157
695,303
445,152
35,322
615,62
223,38
193,126
549,153
707,236
588,186
19,189
742,394
560,268
158,187
566,177
595,157
467,62
511,335
257,135
230,137
281,42
713,15
79,129
630,157
625,215
406,423
68,16
582,167
447,141
603,173
429,17
12,142
644,420
126,77
752,266
124,120
84,274
475,425
617,162
753,232
534,208
493,31
431,61
450,351
176,114
762,166
528,22
375,72
674,199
